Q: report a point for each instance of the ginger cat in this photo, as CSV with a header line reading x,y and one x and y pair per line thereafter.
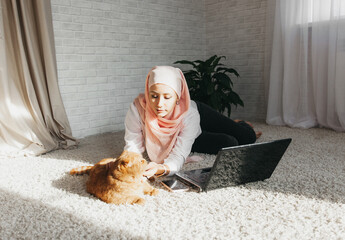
x,y
118,181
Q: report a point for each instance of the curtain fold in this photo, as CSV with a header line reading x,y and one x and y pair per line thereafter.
x,y
32,116
307,64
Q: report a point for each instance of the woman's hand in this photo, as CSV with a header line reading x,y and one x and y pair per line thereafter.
x,y
151,169
155,169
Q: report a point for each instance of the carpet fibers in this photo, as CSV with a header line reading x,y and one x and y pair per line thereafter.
x,y
304,198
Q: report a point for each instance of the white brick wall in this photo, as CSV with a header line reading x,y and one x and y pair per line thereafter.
x,y
105,48
236,29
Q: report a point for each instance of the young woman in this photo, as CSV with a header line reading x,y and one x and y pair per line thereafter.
x,y
166,123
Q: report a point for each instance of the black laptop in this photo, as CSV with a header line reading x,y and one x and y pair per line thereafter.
x,y
237,165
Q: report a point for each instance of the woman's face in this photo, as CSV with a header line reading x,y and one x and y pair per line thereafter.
x,y
162,99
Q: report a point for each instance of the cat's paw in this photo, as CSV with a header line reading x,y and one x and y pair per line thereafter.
x,y
139,201
154,192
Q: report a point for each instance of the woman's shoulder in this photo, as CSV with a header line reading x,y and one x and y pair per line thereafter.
x,y
192,121
133,109
193,112
193,107
132,113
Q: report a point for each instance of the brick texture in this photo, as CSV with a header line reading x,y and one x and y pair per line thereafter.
x,y
236,29
105,48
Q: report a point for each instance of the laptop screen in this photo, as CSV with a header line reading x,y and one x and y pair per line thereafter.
x,y
246,163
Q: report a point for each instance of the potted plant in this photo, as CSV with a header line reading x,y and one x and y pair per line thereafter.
x,y
209,82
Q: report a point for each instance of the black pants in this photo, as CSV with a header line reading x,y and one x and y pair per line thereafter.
x,y
219,131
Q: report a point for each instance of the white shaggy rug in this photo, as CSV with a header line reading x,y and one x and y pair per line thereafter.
x,y
304,198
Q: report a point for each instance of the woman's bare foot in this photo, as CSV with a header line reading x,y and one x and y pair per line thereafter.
x,y
257,134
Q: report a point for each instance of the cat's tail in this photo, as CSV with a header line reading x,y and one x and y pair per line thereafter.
x,y
81,170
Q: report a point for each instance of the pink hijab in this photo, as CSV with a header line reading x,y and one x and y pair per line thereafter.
x,y
161,133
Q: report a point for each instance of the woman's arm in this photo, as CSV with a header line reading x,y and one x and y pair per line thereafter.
x,y
156,169
184,141
134,139
182,148
133,131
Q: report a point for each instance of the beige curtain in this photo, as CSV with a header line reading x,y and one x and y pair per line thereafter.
x,y
32,116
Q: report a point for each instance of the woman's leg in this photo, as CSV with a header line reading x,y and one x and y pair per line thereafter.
x,y
215,122
211,143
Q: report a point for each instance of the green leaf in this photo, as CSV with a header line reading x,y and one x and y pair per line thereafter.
x,y
191,75
203,88
210,60
228,106
191,72
210,89
229,70
235,99
216,61
202,68
214,100
185,62
223,79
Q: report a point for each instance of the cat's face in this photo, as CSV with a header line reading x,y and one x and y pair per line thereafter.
x,y
130,165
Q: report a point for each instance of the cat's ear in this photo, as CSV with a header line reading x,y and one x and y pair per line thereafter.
x,y
128,154
124,154
126,163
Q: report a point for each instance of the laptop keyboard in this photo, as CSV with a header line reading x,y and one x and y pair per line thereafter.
x,y
199,175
